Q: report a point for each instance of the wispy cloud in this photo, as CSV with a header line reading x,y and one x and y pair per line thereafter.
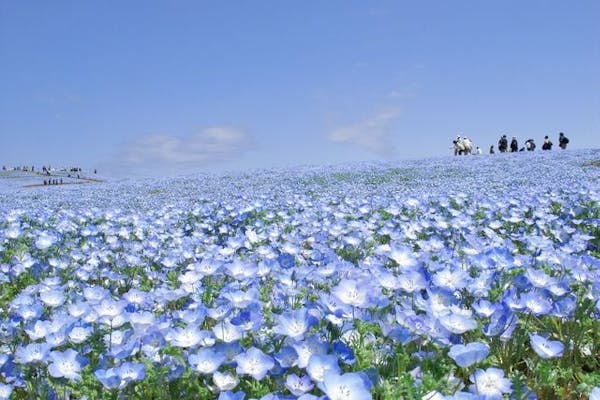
x,y
214,144
372,133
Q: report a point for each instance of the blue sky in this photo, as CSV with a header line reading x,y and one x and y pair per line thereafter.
x,y
230,85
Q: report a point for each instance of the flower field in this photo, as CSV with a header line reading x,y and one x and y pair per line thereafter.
x,y
451,278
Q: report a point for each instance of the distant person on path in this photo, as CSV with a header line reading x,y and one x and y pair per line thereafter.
x,y
492,149
477,150
502,144
514,145
547,143
530,145
468,145
562,141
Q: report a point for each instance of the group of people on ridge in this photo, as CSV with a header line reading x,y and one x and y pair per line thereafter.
x,y
529,144
463,146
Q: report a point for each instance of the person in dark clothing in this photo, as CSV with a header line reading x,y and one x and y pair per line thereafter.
x,y
530,145
503,144
514,145
562,141
492,149
547,143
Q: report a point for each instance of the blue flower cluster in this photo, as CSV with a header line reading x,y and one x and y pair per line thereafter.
x,y
445,278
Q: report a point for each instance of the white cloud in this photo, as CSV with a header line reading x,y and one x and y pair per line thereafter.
x,y
371,133
219,143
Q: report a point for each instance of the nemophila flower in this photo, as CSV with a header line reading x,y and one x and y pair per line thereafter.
x,y
227,332
206,360
545,348
45,240
29,312
111,312
411,281
79,308
595,393
343,352
286,357
240,271
538,278
33,353
298,385
249,319
130,372
436,301
225,380
95,294
481,285
151,343
65,364
469,354
193,315
189,336
108,378
564,307
295,323
227,395
491,383
451,279
353,293
53,297
254,362
80,334
240,298
457,323
5,391
220,311
319,364
309,346
38,330
536,302
512,300
348,386
485,308
403,256
137,297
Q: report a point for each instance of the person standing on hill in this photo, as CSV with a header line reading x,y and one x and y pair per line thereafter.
x,y
514,145
562,141
503,144
547,143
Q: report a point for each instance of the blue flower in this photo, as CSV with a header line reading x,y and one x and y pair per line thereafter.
x,y
344,352
206,360
469,354
298,385
231,396
546,348
225,380
294,323
491,383
5,391
536,302
458,323
348,386
66,364
108,378
254,363
354,293
595,393
320,364
130,372
33,353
